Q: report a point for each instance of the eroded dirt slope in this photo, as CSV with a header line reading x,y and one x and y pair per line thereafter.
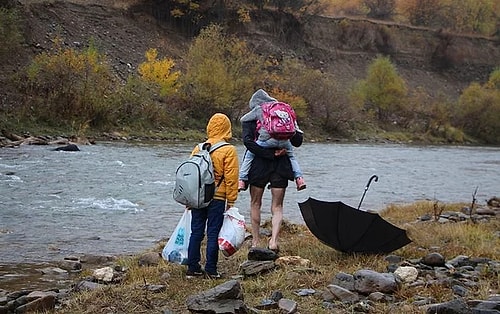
x,y
125,29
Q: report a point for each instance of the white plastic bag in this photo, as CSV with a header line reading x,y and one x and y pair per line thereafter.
x,y
176,249
232,233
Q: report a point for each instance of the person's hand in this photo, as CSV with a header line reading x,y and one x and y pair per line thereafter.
x,y
280,152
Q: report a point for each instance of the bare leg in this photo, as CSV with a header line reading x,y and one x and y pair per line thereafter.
x,y
277,194
255,205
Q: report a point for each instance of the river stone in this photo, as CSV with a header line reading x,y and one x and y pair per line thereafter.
x,y
406,273
249,268
261,254
343,294
433,259
457,306
104,274
150,259
224,298
287,306
344,280
367,281
46,303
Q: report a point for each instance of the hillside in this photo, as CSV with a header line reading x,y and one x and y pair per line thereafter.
x,y
438,62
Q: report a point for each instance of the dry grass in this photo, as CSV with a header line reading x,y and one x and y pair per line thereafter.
x,y
474,240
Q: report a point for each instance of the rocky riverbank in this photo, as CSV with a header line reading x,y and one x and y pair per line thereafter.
x,y
306,277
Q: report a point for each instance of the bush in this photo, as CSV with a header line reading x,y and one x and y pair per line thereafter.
x,y
221,74
68,87
383,92
478,110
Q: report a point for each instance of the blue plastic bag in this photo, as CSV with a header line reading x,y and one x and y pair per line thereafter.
x,y
176,249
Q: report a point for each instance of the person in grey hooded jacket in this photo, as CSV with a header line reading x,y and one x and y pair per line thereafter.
x,y
265,140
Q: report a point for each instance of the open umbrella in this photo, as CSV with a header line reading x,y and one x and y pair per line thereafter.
x,y
351,230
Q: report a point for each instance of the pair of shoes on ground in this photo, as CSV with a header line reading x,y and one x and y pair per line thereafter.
x,y
301,184
242,185
202,274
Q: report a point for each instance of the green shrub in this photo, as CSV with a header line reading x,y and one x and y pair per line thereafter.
x,y
69,87
478,110
221,74
383,93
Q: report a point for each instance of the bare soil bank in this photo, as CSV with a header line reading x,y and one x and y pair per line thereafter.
x,y
434,60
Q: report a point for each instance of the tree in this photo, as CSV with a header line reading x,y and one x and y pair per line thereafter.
x,y
221,73
478,110
383,91
159,72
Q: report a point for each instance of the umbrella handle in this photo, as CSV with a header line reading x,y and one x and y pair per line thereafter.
x,y
370,181
366,188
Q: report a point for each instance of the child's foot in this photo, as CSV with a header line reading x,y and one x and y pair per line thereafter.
x,y
301,184
242,185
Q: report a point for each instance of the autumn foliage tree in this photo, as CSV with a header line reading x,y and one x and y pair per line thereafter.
x,y
220,75
159,72
69,87
478,110
383,92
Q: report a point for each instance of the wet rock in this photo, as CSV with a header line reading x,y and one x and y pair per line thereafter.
x,y
45,303
53,271
97,259
433,259
70,265
86,285
368,281
267,304
459,290
250,268
457,306
344,280
150,259
393,259
224,298
342,294
276,295
287,305
305,292
155,288
105,274
67,148
261,254
407,274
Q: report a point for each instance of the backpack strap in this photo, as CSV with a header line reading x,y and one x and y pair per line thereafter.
x,y
212,149
217,146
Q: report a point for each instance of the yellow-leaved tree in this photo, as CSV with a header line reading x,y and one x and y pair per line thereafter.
x,y
221,74
478,110
383,92
159,72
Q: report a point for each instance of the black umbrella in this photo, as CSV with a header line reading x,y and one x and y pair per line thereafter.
x,y
350,230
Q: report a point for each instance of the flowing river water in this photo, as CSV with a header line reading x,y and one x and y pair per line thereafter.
x,y
116,198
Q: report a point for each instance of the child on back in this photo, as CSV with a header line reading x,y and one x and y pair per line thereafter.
x,y
265,140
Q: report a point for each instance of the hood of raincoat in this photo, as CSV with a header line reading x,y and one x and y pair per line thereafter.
x,y
260,97
219,128
257,99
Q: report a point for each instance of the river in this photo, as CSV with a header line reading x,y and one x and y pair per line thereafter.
x,y
116,198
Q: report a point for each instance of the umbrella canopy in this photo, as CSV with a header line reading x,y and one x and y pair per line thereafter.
x,y
350,230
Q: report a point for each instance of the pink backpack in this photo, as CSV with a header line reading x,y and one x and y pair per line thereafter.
x,y
279,119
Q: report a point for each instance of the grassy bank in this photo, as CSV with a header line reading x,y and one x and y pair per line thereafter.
x,y
448,239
